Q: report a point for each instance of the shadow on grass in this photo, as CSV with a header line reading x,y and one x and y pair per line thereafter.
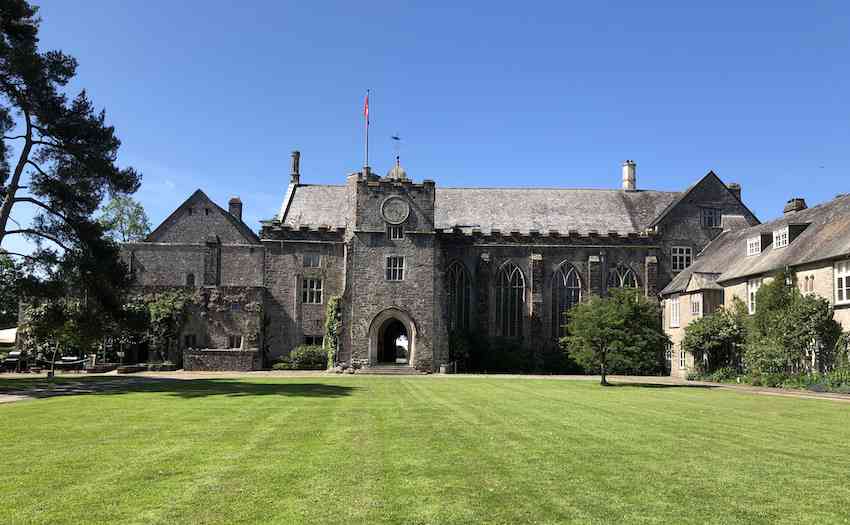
x,y
188,389
657,385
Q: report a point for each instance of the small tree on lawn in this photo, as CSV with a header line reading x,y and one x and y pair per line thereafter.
x,y
619,332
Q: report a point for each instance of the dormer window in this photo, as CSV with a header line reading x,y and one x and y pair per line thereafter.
x,y
711,217
681,257
753,246
780,238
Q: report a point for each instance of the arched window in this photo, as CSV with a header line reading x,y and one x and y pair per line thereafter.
x,y
566,293
510,301
190,279
622,277
457,284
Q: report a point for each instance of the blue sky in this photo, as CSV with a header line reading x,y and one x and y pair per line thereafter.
x,y
215,94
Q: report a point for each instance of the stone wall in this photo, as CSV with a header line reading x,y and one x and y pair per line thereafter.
x,y
289,320
210,360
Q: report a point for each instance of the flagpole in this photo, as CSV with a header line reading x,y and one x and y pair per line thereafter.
x,y
368,91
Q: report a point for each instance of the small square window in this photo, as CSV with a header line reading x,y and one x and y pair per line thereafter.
x,y
311,291
188,211
696,305
206,211
780,238
395,232
312,260
395,268
711,217
753,246
235,307
234,341
682,257
189,341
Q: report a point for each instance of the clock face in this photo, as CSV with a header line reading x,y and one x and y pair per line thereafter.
x,y
395,210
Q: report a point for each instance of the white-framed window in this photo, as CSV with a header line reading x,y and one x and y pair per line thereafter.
x,y
395,268
681,256
753,246
312,260
842,282
753,286
311,291
234,341
780,238
711,217
395,232
674,312
683,362
696,304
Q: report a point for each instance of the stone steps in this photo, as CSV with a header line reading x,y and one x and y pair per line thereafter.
x,y
390,370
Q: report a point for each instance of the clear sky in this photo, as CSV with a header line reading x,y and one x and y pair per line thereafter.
x,y
215,94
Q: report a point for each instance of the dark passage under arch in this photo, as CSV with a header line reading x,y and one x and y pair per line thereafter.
x,y
393,343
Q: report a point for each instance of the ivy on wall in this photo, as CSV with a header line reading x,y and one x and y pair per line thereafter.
x,y
333,327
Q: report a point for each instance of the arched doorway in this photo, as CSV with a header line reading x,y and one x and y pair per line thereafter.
x,y
392,339
393,343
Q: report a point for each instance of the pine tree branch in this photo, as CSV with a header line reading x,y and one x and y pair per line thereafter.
x,y
43,206
30,231
25,256
6,137
38,168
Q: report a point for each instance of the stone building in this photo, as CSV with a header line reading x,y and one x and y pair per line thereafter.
x,y
413,262
813,244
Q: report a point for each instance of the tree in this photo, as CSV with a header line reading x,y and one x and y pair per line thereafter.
x,y
64,154
10,276
790,332
620,332
125,219
716,339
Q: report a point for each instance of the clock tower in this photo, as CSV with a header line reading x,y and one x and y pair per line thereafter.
x,y
394,275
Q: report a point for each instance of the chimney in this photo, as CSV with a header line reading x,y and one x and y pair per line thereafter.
x,y
295,172
234,206
794,205
735,188
629,178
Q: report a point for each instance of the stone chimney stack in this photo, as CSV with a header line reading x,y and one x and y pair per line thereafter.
x,y
794,205
234,206
735,188
295,172
629,177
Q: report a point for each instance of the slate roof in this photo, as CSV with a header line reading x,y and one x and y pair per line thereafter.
x,y
826,236
503,209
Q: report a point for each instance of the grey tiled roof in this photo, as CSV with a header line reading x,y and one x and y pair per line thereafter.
x,y
504,209
826,237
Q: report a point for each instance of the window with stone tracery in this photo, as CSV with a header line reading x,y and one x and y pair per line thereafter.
x,y
510,301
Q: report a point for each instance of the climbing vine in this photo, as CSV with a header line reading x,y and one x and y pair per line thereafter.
x,y
333,327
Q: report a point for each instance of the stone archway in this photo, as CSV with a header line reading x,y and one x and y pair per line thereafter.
x,y
392,339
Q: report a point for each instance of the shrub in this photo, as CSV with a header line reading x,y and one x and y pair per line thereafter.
x,y
724,375
714,340
308,357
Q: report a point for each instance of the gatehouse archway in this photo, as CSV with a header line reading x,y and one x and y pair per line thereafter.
x,y
392,339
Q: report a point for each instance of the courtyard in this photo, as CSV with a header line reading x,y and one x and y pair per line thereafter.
x,y
353,449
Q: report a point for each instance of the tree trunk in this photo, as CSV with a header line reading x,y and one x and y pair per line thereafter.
x,y
9,199
603,381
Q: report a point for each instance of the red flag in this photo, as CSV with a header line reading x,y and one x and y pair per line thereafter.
x,y
366,107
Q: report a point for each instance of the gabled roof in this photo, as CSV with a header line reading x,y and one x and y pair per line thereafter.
x,y
826,237
503,209
709,177
200,197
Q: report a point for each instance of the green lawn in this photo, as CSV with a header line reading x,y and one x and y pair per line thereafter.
x,y
422,450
